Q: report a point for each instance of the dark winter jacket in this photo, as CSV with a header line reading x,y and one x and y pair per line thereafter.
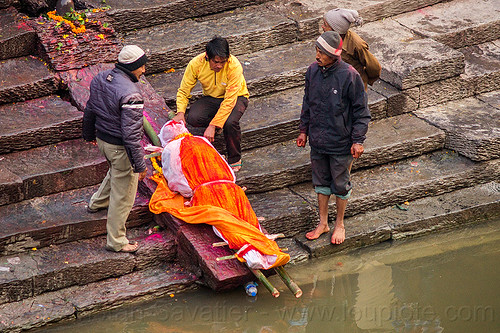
x,y
335,112
114,113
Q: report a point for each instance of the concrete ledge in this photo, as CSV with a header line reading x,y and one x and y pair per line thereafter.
x,y
451,210
282,164
482,74
54,168
79,263
80,301
38,122
17,39
57,219
25,78
472,127
126,16
408,60
457,23
247,30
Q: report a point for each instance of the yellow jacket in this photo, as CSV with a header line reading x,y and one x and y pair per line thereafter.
x,y
229,84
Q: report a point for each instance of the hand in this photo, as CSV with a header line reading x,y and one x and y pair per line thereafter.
x,y
301,140
210,133
142,175
357,150
179,117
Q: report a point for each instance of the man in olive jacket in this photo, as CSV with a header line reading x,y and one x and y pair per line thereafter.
x,y
113,117
335,116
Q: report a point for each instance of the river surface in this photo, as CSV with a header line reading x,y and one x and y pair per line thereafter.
x,y
447,282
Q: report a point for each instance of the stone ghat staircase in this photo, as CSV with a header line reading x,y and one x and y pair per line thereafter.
x,y
434,142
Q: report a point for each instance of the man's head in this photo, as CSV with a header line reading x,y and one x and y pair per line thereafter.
x,y
133,58
340,20
217,53
328,48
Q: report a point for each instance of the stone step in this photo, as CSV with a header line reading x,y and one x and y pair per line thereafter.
x,y
50,169
267,71
127,16
247,29
472,126
79,263
17,39
293,210
56,219
25,78
456,23
407,59
38,122
81,301
389,139
477,204
482,74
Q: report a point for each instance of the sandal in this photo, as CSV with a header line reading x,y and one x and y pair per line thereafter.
x,y
236,165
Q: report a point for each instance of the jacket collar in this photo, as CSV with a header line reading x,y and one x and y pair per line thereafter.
x,y
126,71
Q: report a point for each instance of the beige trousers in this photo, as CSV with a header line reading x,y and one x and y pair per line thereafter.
x,y
117,192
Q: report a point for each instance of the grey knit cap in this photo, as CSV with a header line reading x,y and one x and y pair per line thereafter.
x,y
340,19
330,43
132,57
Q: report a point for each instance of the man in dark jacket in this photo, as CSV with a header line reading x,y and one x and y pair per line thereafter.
x,y
335,116
113,117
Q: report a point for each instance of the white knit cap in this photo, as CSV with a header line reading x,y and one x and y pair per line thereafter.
x,y
340,19
132,57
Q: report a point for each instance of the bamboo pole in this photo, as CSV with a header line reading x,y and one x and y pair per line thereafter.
x,y
150,132
285,277
262,278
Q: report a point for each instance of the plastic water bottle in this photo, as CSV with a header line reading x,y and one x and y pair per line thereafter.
x,y
251,289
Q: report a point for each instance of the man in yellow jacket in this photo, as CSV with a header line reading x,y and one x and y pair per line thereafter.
x,y
225,96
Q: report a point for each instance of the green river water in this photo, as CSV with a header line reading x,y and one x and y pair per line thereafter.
x,y
446,282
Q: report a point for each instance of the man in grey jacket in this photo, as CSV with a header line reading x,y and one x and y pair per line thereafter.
x,y
335,116
113,117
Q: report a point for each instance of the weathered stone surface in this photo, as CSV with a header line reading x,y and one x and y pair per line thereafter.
x,y
297,253
198,255
16,283
80,301
56,219
283,212
408,60
482,74
491,98
126,16
397,102
11,187
456,23
8,3
66,50
25,78
282,164
38,122
450,210
16,37
309,13
377,104
56,168
267,71
79,263
423,176
247,30
472,127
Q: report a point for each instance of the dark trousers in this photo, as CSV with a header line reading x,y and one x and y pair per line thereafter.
x,y
204,110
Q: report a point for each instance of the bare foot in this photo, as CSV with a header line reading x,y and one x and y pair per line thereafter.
x,y
320,229
131,247
338,235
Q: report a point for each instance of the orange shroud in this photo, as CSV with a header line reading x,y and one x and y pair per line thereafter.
x,y
217,200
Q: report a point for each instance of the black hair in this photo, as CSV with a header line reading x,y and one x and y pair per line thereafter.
x,y
218,46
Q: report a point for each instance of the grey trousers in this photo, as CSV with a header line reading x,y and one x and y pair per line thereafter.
x,y
117,192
